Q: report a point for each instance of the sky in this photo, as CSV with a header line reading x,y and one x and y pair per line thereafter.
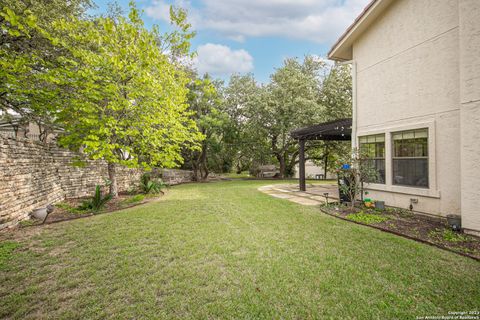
x,y
241,36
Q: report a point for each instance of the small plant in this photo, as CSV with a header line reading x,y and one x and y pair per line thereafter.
x,y
447,235
67,207
151,186
367,218
97,202
134,199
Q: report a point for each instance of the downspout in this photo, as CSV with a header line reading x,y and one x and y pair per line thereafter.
x,y
354,100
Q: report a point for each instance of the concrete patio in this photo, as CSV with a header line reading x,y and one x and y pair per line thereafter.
x,y
314,195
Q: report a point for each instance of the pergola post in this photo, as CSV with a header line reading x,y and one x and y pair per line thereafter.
x,y
301,165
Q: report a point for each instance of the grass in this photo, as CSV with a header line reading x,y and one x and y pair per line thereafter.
x,y
234,175
6,252
226,251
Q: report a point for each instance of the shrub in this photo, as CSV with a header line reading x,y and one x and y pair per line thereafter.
x,y
151,186
366,218
354,170
97,202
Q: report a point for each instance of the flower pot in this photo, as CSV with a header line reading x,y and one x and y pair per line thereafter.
x,y
40,213
454,221
380,205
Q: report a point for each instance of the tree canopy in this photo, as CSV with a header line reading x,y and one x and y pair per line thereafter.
x,y
300,93
106,81
127,102
127,94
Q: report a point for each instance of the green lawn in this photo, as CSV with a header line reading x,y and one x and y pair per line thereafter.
x,y
225,250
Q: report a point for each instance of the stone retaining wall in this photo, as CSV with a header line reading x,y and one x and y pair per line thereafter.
x,y
33,174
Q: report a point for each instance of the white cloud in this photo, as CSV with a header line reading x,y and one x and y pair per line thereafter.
x,y
220,60
321,21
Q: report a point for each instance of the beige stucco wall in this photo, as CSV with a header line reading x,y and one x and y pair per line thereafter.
x,y
470,112
408,77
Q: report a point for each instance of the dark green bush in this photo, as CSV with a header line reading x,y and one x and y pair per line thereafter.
x,y
97,202
151,186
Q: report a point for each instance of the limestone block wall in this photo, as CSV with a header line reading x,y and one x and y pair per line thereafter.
x,y
33,174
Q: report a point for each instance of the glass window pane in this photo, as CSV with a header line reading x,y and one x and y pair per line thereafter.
x,y
410,172
421,147
408,135
413,147
380,150
422,133
373,147
397,136
380,166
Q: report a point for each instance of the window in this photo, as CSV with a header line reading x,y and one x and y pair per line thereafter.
x,y
410,158
374,148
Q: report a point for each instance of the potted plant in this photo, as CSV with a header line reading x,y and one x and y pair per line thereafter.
x,y
455,222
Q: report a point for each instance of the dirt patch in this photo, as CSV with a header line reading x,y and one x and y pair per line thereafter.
x,y
405,223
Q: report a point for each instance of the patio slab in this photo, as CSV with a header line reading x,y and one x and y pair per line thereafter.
x,y
313,196
281,195
304,201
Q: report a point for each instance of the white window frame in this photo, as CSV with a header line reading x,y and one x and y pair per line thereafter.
x,y
388,129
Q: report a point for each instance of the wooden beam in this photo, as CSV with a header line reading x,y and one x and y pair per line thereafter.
x,y
301,165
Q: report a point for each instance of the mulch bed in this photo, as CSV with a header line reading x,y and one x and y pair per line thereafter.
x,y
67,209
404,223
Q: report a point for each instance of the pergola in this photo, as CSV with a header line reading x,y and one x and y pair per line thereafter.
x,y
337,130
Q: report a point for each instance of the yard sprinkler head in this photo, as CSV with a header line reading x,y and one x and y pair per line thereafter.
x,y
412,201
326,197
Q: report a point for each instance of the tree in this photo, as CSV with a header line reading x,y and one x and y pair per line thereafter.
x,y
27,53
336,99
355,169
289,101
247,146
126,99
204,103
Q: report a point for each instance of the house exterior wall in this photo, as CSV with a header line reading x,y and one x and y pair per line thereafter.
x,y
470,112
409,77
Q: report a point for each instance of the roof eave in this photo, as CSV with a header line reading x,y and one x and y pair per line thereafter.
x,y
342,49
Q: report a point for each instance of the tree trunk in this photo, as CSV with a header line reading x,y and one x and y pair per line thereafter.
x,y
112,175
283,167
203,163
